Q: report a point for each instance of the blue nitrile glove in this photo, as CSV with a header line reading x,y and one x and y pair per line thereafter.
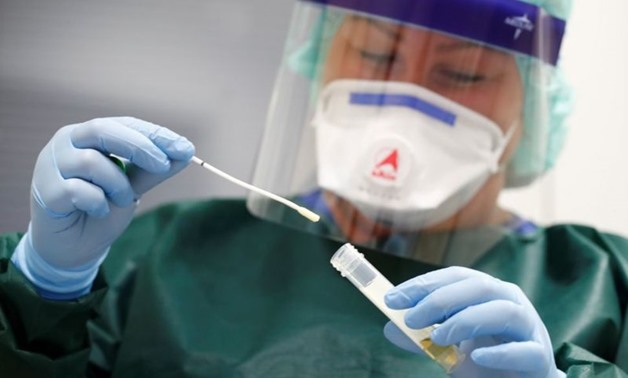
x,y
493,322
81,201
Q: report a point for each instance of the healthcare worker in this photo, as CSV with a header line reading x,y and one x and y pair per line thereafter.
x,y
399,122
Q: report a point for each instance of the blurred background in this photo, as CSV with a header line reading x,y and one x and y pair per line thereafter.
x,y
205,68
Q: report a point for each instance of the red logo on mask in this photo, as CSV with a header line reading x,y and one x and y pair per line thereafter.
x,y
387,168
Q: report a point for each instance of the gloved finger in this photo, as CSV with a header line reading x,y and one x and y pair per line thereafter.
x,y
500,318
395,336
82,196
446,301
92,166
109,136
524,356
414,290
177,147
142,181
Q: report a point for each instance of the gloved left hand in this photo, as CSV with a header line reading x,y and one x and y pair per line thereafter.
x,y
81,202
493,322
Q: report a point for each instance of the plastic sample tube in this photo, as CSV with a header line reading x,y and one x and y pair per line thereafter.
x,y
352,265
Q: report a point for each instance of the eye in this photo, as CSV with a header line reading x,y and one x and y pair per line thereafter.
x,y
377,58
459,77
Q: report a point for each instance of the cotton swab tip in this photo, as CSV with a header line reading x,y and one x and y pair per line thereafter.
x,y
310,215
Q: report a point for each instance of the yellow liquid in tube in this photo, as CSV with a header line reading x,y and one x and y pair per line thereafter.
x,y
374,286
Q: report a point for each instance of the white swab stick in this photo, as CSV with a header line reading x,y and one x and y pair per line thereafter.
x,y
310,215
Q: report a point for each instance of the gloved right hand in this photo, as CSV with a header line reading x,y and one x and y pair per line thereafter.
x,y
493,322
81,201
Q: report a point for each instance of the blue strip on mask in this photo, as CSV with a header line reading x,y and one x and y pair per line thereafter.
x,y
379,99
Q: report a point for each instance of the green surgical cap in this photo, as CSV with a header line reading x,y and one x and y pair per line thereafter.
x,y
541,144
557,8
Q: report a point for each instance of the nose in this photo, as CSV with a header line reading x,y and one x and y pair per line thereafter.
x,y
413,60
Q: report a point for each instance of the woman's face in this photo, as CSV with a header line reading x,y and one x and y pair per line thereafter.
x,y
479,78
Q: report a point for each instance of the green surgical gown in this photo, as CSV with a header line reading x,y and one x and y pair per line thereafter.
x,y
203,289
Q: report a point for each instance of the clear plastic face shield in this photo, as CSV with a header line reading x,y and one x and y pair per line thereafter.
x,y
400,121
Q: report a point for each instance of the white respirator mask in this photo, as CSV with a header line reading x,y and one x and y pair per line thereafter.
x,y
401,154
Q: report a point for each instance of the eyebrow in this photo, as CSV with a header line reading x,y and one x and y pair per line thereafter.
x,y
394,34
462,45
454,46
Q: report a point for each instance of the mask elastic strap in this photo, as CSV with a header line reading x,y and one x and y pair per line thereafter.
x,y
500,150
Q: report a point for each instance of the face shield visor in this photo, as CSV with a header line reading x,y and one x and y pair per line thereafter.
x,y
400,121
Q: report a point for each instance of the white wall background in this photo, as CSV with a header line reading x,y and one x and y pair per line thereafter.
x,y
204,68
590,182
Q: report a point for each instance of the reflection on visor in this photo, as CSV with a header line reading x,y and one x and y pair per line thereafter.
x,y
512,25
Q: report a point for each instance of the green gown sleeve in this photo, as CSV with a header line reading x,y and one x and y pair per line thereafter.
x,y
38,337
578,362
119,270
43,338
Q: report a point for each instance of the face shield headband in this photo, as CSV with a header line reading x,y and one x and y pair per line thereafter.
x,y
511,25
